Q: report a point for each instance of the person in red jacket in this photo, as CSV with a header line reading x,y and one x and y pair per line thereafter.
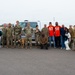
x,y
51,34
57,35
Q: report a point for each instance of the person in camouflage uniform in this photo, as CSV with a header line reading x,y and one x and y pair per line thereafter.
x,y
4,37
28,32
37,35
43,41
45,31
17,33
71,33
9,34
73,40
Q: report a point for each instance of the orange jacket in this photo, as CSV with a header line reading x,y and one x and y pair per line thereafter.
x,y
57,31
51,30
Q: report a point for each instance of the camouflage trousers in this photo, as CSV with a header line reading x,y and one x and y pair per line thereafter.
x,y
73,44
9,41
37,39
28,40
4,40
16,39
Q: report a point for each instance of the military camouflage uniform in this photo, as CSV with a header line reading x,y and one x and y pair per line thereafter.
x,y
37,35
17,34
43,41
4,36
73,43
45,31
71,32
9,36
28,33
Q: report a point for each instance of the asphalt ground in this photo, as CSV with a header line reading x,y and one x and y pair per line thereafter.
x,y
36,61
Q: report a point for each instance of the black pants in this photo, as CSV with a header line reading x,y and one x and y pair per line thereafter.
x,y
44,46
57,41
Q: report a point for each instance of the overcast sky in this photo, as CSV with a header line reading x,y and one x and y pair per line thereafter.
x,y
33,10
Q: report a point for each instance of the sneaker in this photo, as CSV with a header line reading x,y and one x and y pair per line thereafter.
x,y
61,48
68,49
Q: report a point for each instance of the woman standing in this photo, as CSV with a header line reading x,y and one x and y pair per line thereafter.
x,y
67,39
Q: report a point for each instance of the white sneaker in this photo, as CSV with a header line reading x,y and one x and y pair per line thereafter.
x,y
68,49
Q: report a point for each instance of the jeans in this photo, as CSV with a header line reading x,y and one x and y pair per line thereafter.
x,y
57,41
62,42
51,39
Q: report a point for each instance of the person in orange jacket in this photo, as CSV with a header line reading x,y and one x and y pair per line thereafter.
x,y
51,34
57,35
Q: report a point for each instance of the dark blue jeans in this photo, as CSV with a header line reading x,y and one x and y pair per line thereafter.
x,y
62,41
51,39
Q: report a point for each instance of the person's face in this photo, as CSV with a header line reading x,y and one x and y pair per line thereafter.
x,y
9,25
5,25
50,23
70,26
66,30
37,27
28,25
44,26
56,23
17,22
74,27
63,26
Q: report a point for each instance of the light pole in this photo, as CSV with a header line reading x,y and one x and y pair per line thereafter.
x,y
54,20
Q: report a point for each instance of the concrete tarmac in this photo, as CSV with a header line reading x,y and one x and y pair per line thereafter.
x,y
36,61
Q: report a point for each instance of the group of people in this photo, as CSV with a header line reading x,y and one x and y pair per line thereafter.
x,y
58,36
11,35
49,36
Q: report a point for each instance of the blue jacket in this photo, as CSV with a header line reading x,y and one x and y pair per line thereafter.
x,y
62,32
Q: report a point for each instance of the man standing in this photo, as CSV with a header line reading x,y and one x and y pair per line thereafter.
x,y
17,33
62,32
45,30
57,35
73,40
4,37
28,32
51,34
9,35
37,35
71,33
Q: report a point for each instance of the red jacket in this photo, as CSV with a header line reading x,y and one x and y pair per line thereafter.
x,y
57,31
51,30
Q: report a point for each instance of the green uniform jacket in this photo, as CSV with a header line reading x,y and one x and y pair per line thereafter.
x,y
17,30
